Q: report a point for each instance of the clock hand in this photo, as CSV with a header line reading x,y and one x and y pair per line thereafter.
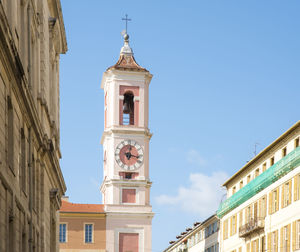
x,y
135,156
128,155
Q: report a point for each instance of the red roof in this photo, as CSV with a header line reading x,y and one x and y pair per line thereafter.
x,y
127,62
81,208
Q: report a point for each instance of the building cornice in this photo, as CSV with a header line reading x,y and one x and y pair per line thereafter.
x,y
264,152
82,214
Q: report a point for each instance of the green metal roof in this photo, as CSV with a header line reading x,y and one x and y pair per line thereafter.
x,y
275,172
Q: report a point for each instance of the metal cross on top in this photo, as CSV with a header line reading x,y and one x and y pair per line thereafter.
x,y
126,19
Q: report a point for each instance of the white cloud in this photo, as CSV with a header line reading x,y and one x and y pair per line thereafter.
x,y
202,196
194,157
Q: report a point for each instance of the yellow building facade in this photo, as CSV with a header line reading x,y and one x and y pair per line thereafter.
x,y
262,209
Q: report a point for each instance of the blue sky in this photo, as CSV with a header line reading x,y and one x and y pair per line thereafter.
x,y
226,76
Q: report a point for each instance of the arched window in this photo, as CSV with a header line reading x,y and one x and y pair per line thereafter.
x,y
128,109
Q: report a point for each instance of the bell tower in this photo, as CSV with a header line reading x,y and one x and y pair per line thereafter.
x,y
126,183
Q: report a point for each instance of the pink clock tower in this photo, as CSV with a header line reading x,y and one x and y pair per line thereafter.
x,y
126,183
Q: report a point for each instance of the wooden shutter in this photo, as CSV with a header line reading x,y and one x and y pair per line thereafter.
x,y
230,228
235,223
288,238
240,249
248,247
277,205
257,245
255,210
282,195
290,191
270,203
294,236
241,218
252,246
281,238
260,211
269,241
296,187
224,230
276,240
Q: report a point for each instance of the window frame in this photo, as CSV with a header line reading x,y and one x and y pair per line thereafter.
x,y
66,232
84,233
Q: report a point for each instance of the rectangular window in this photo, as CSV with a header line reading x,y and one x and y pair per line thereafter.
x,y
283,154
128,196
255,210
248,214
10,135
88,233
274,200
217,247
272,161
286,194
264,167
62,233
233,190
233,225
296,142
274,242
285,239
22,171
257,172
248,178
215,226
241,184
262,207
192,240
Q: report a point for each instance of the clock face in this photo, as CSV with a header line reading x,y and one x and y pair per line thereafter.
x,y
129,155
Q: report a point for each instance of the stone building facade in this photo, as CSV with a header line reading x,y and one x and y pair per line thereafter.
x,y
32,37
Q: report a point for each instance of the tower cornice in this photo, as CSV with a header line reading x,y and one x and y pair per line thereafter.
x,y
114,74
127,131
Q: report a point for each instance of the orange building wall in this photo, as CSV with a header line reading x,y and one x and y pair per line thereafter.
x,y
75,232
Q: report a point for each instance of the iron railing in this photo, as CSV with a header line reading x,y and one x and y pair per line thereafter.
x,y
254,224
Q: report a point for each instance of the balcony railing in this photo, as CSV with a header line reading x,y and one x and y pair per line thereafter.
x,y
254,224
275,172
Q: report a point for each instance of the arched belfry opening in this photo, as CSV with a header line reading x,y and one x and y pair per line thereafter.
x,y
128,108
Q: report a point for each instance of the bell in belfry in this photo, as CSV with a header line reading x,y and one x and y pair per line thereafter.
x,y
128,103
